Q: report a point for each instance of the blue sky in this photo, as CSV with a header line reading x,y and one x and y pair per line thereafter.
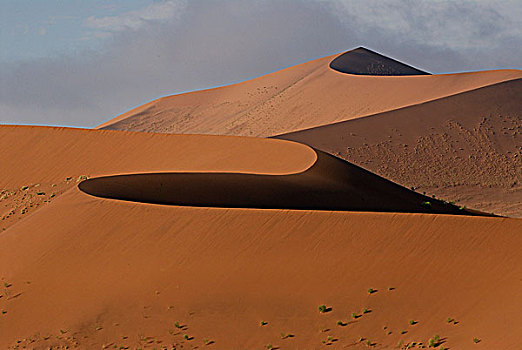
x,y
33,29
81,62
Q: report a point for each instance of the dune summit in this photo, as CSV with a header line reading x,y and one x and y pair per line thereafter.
x,y
362,61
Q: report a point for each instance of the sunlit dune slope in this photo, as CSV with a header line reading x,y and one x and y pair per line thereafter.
x,y
32,153
465,147
88,272
299,97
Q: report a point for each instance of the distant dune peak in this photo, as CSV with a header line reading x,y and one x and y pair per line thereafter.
x,y
363,61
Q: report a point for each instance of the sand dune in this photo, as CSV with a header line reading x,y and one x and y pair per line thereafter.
x,y
362,61
90,260
300,97
458,148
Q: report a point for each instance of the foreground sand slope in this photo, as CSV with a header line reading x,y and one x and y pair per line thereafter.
x,y
87,272
299,97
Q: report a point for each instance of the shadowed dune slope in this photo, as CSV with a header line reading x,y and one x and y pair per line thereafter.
x,y
465,147
330,184
304,96
88,272
363,61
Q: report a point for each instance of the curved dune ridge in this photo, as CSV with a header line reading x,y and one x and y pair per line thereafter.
x,y
330,184
362,61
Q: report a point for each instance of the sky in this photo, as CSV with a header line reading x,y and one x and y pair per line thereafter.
x,y
82,62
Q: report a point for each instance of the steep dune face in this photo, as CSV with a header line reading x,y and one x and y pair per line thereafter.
x,y
329,184
465,147
300,97
88,272
362,61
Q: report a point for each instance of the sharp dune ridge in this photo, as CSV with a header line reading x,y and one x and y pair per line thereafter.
x,y
329,184
150,240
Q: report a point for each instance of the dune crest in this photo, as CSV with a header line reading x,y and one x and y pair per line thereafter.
x,y
330,184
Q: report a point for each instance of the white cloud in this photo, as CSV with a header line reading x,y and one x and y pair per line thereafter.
x,y
156,12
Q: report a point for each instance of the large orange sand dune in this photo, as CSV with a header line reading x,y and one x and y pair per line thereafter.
x,y
88,272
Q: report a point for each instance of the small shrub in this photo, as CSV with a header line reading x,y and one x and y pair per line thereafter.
x,y
263,323
354,315
412,322
449,320
476,340
186,337
426,204
371,290
365,311
269,346
322,308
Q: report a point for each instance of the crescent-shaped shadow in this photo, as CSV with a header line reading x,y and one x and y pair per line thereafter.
x,y
362,61
330,184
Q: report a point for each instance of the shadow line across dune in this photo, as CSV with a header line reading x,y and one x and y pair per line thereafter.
x,y
330,184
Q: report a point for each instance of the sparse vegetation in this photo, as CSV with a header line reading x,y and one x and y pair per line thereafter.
x,y
426,205
177,325
263,323
269,346
476,340
365,311
323,309
371,290
412,322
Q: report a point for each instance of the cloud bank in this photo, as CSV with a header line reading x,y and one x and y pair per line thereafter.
x,y
173,46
